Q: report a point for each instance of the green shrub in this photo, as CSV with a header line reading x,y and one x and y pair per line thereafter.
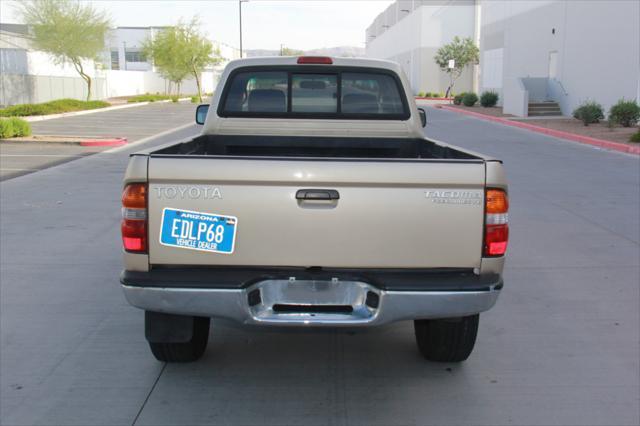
x,y
147,97
457,99
489,99
635,137
421,94
174,99
589,112
195,99
20,127
469,99
6,128
438,95
53,107
12,127
626,113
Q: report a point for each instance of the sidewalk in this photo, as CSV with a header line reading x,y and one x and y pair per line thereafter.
x,y
628,148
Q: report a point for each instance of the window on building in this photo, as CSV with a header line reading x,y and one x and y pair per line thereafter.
x,y
115,60
134,55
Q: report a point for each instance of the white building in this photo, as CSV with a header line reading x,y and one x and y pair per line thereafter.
x,y
562,51
31,76
411,31
556,51
125,49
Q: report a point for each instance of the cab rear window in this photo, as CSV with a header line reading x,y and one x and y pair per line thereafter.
x,y
300,92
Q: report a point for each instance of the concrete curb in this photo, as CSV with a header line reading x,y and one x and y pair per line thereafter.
x,y
93,111
432,99
104,142
601,143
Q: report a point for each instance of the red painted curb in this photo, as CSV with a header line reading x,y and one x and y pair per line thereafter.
x,y
433,99
615,146
104,142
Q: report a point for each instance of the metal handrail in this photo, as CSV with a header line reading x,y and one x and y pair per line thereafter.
x,y
564,91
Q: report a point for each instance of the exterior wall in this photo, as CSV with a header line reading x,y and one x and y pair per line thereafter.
x,y
566,51
410,33
23,88
128,83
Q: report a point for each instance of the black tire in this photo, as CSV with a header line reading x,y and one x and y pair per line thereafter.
x,y
447,340
187,351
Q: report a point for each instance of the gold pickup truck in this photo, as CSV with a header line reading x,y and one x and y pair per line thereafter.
x,y
313,199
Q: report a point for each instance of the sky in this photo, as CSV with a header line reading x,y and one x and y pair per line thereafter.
x,y
266,24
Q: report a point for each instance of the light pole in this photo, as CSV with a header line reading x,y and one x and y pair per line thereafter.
x,y
240,12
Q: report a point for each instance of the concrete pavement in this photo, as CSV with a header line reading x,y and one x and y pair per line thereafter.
x,y
560,347
131,123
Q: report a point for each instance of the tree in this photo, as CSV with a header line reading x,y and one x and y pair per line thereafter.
x,y
164,51
463,51
182,50
68,30
286,51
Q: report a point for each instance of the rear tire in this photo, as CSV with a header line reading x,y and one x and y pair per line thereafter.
x,y
447,340
188,351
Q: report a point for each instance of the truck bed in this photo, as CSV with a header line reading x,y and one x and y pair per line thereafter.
x,y
313,147
399,202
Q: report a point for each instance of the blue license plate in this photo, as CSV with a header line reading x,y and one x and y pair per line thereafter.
x,y
198,231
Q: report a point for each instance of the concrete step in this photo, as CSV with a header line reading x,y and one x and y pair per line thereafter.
x,y
545,110
545,113
547,103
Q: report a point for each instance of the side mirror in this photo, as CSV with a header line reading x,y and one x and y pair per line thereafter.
x,y
423,116
201,113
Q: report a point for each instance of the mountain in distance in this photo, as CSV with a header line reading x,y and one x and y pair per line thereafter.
x,y
336,52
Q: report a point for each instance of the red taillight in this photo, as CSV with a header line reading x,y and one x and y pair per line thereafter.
x,y
315,60
134,218
496,231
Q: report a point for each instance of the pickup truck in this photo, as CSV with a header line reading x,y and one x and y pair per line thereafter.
x,y
312,198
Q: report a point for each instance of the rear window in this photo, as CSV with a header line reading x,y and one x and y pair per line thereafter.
x,y
258,92
314,93
298,92
370,94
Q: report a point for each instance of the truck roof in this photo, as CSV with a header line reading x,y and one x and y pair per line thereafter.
x,y
293,60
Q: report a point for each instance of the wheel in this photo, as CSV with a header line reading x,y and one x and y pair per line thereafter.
x,y
447,340
188,351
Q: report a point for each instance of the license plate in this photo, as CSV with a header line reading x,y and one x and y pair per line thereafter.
x,y
198,231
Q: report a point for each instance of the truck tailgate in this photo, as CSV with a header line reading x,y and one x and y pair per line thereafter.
x,y
390,214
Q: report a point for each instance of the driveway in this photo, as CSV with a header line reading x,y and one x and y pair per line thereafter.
x,y
559,348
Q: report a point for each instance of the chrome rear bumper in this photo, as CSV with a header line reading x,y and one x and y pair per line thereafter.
x,y
312,303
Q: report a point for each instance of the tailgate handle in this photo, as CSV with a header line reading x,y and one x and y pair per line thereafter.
x,y
317,194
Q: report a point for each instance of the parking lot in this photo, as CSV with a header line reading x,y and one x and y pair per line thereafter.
x,y
560,347
134,124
